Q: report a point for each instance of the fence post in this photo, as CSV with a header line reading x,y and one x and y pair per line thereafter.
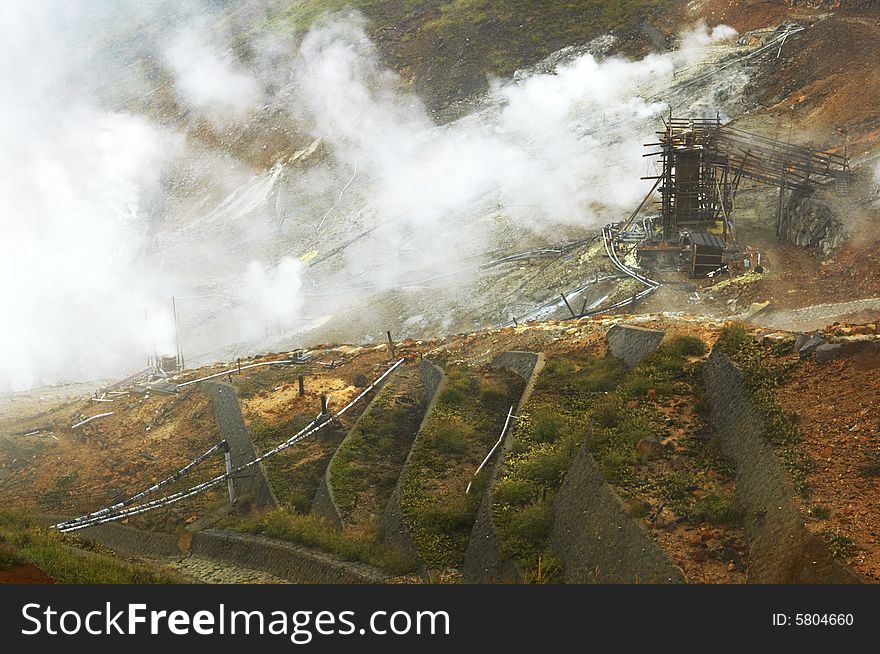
x,y
391,344
227,456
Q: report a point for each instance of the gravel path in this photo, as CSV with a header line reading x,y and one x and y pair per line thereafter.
x,y
219,572
816,316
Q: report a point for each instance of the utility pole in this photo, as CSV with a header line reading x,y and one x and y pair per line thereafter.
x,y
177,334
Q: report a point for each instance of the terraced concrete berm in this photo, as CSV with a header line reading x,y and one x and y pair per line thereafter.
x,y
324,503
227,412
392,527
632,344
124,539
483,562
781,549
596,538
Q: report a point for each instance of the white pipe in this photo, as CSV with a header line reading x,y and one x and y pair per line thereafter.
x,y
236,369
492,451
176,497
88,420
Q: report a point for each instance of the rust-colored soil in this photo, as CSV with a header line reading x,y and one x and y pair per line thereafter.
x,y
26,573
840,422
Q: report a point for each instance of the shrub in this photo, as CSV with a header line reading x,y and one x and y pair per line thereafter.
x,y
451,437
686,346
638,387
718,508
546,426
600,375
9,556
607,413
840,545
459,387
734,339
545,464
526,530
515,492
819,512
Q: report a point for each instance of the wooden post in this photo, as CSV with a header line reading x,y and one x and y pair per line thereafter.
x,y
570,310
323,405
239,365
302,386
391,344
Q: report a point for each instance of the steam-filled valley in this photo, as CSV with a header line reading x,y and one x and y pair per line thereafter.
x,y
288,189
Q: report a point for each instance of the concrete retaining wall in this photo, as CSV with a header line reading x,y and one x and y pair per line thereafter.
x,y
227,412
632,344
133,542
324,503
597,540
286,560
392,528
482,560
781,548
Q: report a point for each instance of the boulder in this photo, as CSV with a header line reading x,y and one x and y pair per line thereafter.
x,y
632,344
666,519
810,346
648,447
800,341
828,351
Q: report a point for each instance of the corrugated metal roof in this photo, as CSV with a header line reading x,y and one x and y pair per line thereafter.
x,y
706,240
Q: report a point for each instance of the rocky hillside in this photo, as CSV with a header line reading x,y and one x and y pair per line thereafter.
x,y
676,434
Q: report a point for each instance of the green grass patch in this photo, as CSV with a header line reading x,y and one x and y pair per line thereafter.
x,y
314,531
370,459
763,377
596,401
718,508
840,545
465,423
547,435
61,556
295,473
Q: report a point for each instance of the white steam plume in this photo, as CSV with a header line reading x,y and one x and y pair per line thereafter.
x,y
208,78
106,214
75,183
561,148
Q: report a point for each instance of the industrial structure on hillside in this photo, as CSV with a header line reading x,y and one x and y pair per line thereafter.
x,y
702,165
